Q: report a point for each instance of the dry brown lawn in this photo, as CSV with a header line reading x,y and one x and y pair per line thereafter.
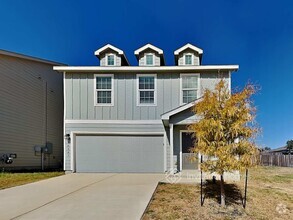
x,y
270,196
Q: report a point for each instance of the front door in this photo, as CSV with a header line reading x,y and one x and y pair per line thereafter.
x,y
189,159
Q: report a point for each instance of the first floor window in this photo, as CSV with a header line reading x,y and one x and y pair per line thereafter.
x,y
189,87
104,89
146,90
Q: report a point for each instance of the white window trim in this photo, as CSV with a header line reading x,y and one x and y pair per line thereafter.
x,y
145,60
95,90
137,90
181,87
109,54
192,59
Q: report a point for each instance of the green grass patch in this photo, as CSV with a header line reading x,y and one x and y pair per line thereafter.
x,y
8,180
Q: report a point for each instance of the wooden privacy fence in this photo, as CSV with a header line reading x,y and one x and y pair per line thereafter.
x,y
276,160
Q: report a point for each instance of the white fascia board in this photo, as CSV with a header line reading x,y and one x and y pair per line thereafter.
x,y
134,122
108,46
123,69
118,133
139,50
198,50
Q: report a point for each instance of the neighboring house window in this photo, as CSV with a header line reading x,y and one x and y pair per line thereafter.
x,y
149,59
189,87
188,59
104,90
110,59
146,94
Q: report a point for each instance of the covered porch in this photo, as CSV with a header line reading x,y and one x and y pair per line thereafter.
x,y
179,139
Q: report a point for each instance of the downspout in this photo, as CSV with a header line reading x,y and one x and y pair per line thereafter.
x,y
46,126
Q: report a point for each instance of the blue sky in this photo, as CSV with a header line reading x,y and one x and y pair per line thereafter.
x,y
257,35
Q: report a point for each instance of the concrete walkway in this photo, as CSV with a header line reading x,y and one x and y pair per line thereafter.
x,y
81,196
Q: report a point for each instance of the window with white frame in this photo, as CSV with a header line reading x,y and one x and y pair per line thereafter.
x,y
188,59
149,59
146,94
104,89
110,61
189,87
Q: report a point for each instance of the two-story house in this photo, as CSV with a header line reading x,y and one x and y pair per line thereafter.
x,y
122,118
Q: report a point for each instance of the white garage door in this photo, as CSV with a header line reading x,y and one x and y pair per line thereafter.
x,y
119,153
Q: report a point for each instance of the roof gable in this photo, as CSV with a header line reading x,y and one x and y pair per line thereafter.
x,y
108,46
167,115
186,46
148,46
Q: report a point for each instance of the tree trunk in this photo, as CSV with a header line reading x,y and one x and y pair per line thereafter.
x,y
222,191
245,189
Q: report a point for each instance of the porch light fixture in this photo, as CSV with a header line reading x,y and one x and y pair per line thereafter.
x,y
67,137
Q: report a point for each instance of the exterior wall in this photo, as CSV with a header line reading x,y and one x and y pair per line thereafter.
x,y
125,116
196,60
80,96
103,58
31,111
141,58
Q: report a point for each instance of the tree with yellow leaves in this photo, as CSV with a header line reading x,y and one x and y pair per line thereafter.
x,y
226,130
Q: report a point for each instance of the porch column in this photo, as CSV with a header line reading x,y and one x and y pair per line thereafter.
x,y
171,147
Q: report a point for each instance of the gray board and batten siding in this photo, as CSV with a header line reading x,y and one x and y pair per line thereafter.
x,y
82,117
31,110
80,96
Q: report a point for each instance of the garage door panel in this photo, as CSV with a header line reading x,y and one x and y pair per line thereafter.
x,y
119,153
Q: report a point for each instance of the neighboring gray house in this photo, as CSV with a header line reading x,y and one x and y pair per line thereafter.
x,y
121,118
279,151
31,112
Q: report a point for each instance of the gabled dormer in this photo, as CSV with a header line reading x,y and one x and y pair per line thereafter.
x,y
188,55
111,56
149,55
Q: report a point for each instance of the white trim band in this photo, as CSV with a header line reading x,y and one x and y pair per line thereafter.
x,y
113,122
150,69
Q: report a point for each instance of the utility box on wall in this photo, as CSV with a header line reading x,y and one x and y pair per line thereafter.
x,y
48,149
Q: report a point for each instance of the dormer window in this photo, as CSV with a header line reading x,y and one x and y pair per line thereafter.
x,y
149,59
188,55
188,59
110,60
111,56
149,55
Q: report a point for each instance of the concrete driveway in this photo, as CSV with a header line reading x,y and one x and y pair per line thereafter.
x,y
81,196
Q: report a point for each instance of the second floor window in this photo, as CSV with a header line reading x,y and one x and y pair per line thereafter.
x,y
146,89
149,59
110,60
188,59
104,89
189,87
